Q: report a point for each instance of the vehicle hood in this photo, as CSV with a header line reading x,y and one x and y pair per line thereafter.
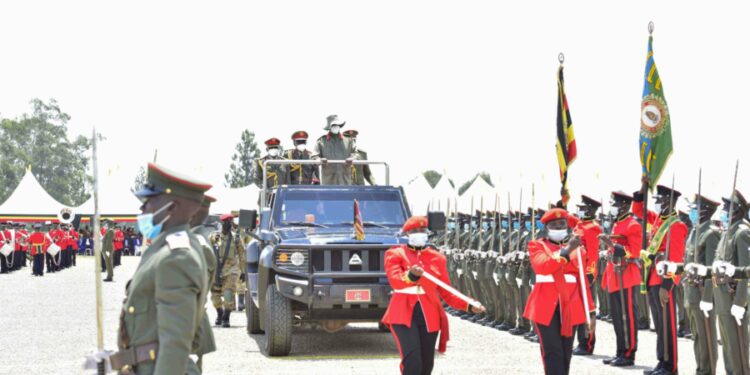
x,y
323,236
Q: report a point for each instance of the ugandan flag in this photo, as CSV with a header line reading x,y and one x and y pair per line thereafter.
x,y
359,228
655,144
566,140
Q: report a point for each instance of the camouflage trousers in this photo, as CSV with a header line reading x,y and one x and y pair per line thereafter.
x,y
222,295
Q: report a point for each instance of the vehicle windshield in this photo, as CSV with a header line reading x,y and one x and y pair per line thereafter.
x,y
332,208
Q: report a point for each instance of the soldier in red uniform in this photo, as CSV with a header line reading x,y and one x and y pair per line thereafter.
x,y
588,231
556,303
415,313
20,237
38,247
54,261
621,278
666,230
119,244
73,238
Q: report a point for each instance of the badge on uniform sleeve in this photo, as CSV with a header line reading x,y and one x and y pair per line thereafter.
x,y
179,240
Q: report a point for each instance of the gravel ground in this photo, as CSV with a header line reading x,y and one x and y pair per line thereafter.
x,y
49,326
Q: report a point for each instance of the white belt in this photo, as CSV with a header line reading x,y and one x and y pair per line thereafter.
x,y
540,279
416,289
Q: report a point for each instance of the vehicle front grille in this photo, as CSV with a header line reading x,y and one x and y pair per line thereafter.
x,y
336,260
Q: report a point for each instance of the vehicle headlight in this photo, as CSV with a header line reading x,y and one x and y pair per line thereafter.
x,y
292,259
297,258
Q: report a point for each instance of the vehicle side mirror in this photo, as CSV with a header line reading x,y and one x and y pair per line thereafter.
x,y
248,219
435,221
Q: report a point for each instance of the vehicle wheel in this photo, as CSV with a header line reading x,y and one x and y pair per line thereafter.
x,y
253,315
383,328
278,324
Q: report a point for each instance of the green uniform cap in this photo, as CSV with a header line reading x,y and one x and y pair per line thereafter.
x,y
163,181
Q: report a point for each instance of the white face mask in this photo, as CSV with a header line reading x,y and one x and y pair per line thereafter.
x,y
581,213
301,147
557,235
418,239
274,152
614,211
657,207
335,129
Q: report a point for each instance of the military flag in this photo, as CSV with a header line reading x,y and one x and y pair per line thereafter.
x,y
566,140
656,128
359,228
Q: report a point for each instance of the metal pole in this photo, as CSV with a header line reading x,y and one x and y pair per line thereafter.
x,y
98,255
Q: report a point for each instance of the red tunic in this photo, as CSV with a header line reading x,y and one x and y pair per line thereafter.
x,y
38,242
73,239
628,233
589,232
118,240
546,296
676,238
398,261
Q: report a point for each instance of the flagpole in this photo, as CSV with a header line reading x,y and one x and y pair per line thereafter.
x,y
97,257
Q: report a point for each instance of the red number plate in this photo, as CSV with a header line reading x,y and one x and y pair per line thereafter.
x,y
358,295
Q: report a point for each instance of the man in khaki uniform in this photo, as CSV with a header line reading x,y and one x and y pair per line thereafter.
x,y
360,173
108,249
205,342
700,251
229,255
334,146
730,292
162,313
276,174
300,174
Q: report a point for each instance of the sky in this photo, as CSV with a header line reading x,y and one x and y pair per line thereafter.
x,y
459,87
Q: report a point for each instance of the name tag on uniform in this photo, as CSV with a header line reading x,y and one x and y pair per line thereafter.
x,y
179,240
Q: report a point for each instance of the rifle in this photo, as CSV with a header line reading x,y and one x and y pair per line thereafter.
x,y
220,266
740,328
480,227
696,235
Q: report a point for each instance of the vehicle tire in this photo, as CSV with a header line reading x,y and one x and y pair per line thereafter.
x,y
253,316
278,324
383,328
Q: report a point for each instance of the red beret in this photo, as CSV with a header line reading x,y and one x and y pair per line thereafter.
x,y
414,223
226,217
299,135
351,133
554,214
273,142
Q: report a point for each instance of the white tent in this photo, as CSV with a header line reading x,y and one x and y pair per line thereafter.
x,y
228,200
443,194
30,198
478,191
418,193
115,198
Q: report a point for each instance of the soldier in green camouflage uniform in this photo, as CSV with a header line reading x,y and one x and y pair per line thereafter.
x,y
521,278
229,252
360,173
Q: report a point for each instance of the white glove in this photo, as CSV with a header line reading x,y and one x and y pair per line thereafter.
x,y
700,270
522,256
715,266
519,282
729,269
661,268
738,313
706,307
671,267
93,358
483,255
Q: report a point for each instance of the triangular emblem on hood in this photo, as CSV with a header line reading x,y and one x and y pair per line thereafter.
x,y
355,260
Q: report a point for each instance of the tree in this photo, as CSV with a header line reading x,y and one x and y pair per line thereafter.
x,y
140,180
484,175
241,170
432,177
40,140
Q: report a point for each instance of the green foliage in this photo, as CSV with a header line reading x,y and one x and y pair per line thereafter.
x,y
241,170
465,186
432,177
40,140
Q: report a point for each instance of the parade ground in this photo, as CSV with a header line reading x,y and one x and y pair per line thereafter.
x,y
48,327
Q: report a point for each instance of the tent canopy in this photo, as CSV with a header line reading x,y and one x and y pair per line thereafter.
x,y
418,193
30,198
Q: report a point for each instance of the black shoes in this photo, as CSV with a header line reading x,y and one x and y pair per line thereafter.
x,y
609,360
225,318
518,331
622,362
581,351
219,316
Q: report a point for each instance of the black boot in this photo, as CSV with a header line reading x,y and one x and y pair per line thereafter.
x,y
241,302
225,318
219,316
